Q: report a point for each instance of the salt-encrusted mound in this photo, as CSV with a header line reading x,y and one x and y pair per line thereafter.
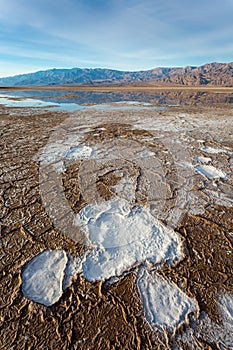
x,y
43,277
165,304
124,237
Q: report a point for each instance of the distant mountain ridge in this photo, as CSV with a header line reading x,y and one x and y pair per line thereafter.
x,y
211,74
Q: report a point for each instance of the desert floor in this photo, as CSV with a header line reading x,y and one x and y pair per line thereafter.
x,y
117,226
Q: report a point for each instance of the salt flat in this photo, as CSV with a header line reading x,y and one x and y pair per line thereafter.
x,y
117,227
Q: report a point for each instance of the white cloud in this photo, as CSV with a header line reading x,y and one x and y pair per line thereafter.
x,y
129,34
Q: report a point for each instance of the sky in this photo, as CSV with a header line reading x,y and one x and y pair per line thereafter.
x,y
118,34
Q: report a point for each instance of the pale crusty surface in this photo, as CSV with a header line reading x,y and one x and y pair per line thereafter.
x,y
100,315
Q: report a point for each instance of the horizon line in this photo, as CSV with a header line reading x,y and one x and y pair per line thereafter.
x,y
113,69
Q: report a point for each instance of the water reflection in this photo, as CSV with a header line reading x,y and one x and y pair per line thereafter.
x,y
20,101
156,98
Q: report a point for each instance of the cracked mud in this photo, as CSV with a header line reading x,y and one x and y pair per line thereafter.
x,y
70,182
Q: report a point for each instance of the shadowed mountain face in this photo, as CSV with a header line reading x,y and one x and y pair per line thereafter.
x,y
213,74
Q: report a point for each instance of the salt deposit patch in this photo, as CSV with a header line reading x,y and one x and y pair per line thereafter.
x,y
203,159
165,304
146,104
79,152
210,171
9,101
219,198
121,237
226,309
147,154
205,328
124,237
54,153
73,267
212,150
126,188
43,277
159,124
125,106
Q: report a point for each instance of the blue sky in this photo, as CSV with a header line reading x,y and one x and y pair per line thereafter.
x,y
119,34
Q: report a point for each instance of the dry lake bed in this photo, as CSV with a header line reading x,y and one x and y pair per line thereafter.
x,y
116,220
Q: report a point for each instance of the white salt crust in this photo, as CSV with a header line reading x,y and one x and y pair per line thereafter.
x,y
165,305
210,171
43,277
123,238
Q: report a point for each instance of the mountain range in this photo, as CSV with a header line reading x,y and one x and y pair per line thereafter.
x,y
211,74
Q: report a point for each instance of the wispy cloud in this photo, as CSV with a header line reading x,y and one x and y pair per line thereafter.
x,y
123,34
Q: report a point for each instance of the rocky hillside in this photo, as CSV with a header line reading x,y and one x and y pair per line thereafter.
x,y
213,74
